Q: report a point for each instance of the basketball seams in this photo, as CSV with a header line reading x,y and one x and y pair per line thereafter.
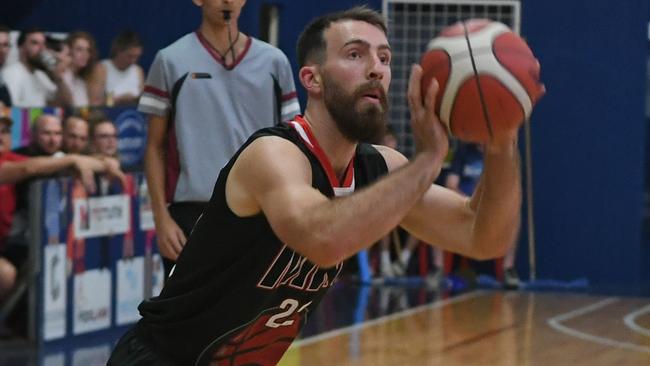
x,y
486,115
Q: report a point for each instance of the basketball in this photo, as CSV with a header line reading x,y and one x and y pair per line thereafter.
x,y
488,77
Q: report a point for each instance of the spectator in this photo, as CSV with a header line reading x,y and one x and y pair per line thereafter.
x,y
83,57
5,98
35,81
104,138
15,168
47,137
119,80
238,84
75,135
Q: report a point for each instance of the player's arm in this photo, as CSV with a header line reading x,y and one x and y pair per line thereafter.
x,y
484,226
170,237
273,176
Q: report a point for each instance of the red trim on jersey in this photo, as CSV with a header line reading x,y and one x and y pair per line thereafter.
x,y
155,91
173,163
315,148
215,54
289,96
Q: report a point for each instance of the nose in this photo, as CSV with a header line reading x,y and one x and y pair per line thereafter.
x,y
376,69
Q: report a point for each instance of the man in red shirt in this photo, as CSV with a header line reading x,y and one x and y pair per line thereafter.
x,y
15,168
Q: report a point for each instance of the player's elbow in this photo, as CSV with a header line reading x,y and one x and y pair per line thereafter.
x,y
324,253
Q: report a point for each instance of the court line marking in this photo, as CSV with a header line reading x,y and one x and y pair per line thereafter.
x,y
630,321
387,318
555,323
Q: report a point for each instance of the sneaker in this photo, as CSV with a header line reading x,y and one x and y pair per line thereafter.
x,y
510,279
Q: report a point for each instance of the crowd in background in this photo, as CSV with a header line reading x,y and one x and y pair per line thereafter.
x,y
65,72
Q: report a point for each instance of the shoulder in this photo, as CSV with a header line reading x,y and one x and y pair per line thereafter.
x,y
393,158
11,156
14,70
179,47
267,50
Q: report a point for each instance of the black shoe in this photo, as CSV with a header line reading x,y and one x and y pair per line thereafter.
x,y
510,279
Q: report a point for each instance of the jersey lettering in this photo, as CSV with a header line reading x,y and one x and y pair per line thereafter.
x,y
291,269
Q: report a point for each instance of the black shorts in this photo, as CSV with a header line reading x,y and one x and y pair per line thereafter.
x,y
131,351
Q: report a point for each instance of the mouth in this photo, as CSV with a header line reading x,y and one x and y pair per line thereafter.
x,y
373,96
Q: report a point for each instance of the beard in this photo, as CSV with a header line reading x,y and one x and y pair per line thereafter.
x,y
365,123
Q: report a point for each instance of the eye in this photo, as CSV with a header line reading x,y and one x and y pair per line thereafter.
x,y
354,54
385,59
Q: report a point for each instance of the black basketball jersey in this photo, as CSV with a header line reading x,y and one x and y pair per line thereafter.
x,y
238,295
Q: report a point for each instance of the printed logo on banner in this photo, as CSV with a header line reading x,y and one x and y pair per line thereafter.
x,y
54,292
130,289
92,301
100,216
131,132
146,213
91,356
157,275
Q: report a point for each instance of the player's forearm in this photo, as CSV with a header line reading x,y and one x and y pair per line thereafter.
x,y
339,228
497,202
155,174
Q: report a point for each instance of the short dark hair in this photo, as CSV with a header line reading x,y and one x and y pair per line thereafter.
x,y
125,40
23,35
311,43
4,29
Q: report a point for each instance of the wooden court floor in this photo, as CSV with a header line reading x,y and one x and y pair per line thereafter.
x,y
492,328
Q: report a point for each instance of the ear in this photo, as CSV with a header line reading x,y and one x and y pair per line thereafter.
x,y
310,78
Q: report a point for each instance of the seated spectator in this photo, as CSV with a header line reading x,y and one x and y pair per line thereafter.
x,y
35,80
47,134
75,135
83,57
104,138
5,98
15,168
119,80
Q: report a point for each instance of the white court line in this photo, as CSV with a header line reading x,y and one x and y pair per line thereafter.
x,y
555,321
630,321
384,319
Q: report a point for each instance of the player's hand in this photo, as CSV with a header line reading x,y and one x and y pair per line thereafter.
x,y
170,237
429,133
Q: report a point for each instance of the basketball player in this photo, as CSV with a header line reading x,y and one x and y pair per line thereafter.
x,y
205,94
273,237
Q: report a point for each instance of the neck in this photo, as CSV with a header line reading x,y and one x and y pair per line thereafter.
x,y
24,61
338,149
218,37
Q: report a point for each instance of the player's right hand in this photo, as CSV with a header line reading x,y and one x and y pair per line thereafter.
x,y
429,133
170,237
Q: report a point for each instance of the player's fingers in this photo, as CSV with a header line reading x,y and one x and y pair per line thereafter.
x,y
414,94
432,93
